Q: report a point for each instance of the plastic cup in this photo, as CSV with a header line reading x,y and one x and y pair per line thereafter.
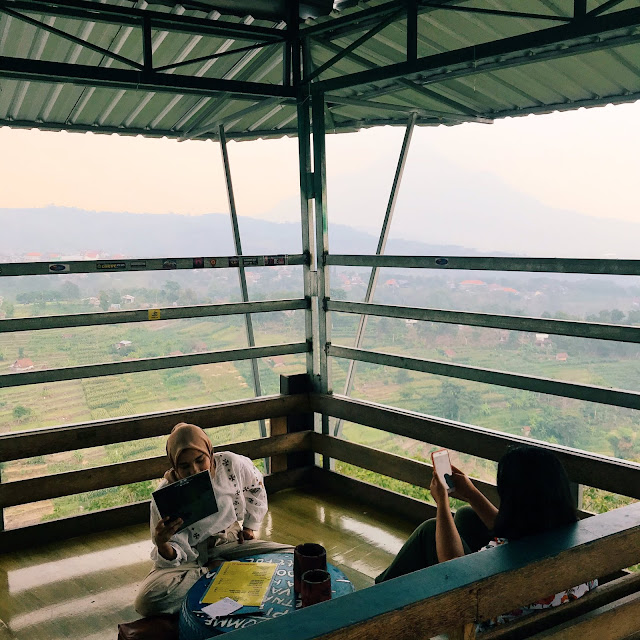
x,y
316,587
307,556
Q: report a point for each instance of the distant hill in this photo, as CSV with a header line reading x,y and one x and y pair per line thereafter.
x,y
442,203
69,231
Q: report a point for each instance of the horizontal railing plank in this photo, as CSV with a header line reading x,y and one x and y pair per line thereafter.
x,y
113,475
143,315
387,464
367,493
137,265
590,469
534,265
526,626
149,364
619,620
593,330
115,517
27,444
586,392
469,589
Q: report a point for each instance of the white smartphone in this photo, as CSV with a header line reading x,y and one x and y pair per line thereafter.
x,y
442,467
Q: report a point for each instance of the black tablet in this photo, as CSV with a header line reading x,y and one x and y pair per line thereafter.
x,y
191,499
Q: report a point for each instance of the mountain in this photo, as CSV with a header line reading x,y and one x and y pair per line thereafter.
x,y
442,203
69,231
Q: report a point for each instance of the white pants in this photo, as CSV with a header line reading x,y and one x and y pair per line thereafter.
x,y
164,589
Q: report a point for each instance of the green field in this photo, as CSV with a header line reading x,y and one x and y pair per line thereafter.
x,y
593,427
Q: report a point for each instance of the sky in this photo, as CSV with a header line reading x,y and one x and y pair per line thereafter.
x,y
585,161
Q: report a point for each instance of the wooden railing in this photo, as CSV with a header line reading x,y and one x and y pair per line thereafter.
x,y
291,446
483,585
16,446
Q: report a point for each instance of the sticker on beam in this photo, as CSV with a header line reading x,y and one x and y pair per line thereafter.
x,y
441,262
198,263
58,267
138,264
154,314
170,263
274,261
111,266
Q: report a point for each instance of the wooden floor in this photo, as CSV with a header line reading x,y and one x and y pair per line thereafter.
x,y
83,588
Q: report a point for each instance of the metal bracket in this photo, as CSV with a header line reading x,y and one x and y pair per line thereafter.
x,y
313,284
310,186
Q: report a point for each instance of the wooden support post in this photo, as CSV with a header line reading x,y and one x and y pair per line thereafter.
x,y
1,508
278,427
289,385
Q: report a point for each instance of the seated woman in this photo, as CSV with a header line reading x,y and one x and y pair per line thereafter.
x,y
534,497
181,558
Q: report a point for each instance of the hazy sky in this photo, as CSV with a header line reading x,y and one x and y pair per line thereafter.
x,y
587,161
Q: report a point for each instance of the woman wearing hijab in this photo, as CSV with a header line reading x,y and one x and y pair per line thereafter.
x,y
181,558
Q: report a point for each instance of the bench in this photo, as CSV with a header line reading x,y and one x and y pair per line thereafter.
x,y
479,586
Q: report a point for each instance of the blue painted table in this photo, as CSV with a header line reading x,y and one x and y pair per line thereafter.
x,y
280,599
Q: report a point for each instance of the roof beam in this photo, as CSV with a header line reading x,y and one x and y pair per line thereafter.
x,y
84,75
403,108
496,12
68,36
556,42
367,64
354,45
131,17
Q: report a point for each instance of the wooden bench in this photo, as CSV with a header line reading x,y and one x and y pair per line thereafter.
x,y
483,585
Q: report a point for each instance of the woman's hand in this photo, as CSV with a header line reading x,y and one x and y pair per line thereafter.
x,y
246,534
439,491
165,529
464,489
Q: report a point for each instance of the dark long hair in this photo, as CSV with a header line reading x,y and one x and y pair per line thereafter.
x,y
534,493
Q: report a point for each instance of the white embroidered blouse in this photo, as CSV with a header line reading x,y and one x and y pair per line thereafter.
x,y
241,497
554,600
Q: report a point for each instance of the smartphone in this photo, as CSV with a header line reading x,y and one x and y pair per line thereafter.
x,y
442,466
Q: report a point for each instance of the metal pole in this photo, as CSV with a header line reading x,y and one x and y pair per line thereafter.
x,y
307,227
322,249
241,274
382,243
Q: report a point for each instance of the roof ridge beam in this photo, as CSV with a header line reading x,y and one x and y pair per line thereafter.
x,y
479,58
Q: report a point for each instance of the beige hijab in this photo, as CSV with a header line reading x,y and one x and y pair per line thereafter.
x,y
185,436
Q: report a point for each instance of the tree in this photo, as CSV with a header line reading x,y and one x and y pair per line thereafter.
x,y
20,412
70,291
454,399
554,426
171,291
625,443
105,302
617,316
20,353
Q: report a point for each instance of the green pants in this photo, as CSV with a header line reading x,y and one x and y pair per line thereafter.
x,y
419,551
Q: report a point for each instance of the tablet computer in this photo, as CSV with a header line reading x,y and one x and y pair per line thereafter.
x,y
191,498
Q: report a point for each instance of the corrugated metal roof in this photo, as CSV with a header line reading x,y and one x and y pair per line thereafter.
x,y
470,65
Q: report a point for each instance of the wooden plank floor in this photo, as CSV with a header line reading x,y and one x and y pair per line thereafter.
x,y
83,588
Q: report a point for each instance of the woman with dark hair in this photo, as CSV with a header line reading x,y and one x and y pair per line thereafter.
x,y
534,497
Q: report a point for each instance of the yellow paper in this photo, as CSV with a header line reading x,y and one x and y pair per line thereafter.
x,y
244,582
